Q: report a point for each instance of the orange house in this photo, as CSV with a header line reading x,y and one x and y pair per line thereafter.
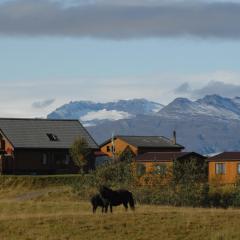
x,y
224,168
160,162
139,145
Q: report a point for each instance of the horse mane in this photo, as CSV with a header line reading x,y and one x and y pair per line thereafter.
x,y
105,191
104,188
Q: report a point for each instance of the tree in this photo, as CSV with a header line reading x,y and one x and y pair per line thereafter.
x,y
79,152
189,170
127,155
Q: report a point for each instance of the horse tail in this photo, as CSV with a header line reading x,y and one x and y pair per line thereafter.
x,y
131,201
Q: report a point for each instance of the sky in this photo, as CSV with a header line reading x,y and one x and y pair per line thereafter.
x,y
54,51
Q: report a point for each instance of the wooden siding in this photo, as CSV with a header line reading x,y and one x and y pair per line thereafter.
x,y
230,176
150,165
27,161
120,146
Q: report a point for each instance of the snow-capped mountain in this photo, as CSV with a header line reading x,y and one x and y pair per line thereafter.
x,y
210,124
91,113
211,105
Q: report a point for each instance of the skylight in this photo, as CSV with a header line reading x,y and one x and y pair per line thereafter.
x,y
52,137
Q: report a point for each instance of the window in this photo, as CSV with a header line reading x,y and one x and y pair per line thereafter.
x,y
67,160
44,159
141,169
160,169
113,149
238,168
52,137
220,168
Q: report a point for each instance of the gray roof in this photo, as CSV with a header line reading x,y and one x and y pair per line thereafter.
x,y
165,156
148,141
32,133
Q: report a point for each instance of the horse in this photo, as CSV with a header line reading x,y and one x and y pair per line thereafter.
x,y
97,201
118,197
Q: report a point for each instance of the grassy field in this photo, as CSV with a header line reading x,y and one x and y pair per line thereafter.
x,y
56,213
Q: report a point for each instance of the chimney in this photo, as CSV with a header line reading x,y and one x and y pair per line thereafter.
x,y
174,137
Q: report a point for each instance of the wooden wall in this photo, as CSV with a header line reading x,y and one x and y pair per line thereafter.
x,y
120,146
150,165
230,176
27,161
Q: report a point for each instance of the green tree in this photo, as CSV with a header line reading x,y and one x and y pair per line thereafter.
x,y
80,152
127,155
189,170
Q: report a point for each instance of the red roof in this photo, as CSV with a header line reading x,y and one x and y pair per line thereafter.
x,y
226,156
163,156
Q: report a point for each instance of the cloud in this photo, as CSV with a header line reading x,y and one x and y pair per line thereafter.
x,y
183,88
213,87
220,88
43,104
120,19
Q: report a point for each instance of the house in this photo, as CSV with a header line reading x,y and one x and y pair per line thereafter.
x,y
40,146
160,162
224,168
139,145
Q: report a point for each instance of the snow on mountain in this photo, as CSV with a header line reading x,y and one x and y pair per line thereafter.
x,y
211,105
221,103
236,100
91,113
95,117
105,114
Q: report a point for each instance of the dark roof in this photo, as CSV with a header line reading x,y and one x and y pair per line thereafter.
x,y
226,156
32,133
100,154
147,141
164,156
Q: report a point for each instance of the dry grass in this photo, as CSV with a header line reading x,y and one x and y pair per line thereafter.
x,y
58,214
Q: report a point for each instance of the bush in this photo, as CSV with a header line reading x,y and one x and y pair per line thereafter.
x,y
114,174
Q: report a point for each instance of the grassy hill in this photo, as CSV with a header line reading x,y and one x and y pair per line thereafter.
x,y
54,211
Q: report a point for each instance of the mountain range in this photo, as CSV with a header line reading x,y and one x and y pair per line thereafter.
x,y
207,125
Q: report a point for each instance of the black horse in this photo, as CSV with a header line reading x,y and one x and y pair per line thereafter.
x,y
115,198
98,201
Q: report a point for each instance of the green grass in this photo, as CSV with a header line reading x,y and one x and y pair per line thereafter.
x,y
57,213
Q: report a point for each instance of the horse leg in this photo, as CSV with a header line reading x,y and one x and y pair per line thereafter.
x,y
125,205
94,209
106,208
110,208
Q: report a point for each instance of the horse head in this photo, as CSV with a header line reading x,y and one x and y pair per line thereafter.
x,y
104,191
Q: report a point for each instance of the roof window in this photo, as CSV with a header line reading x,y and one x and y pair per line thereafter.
x,y
52,137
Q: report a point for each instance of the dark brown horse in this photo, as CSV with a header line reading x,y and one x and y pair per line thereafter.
x,y
118,197
98,201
